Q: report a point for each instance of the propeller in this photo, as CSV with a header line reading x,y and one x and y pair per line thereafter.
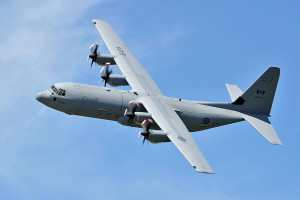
x,y
105,72
146,124
129,112
94,53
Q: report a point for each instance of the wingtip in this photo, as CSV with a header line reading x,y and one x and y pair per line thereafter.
x,y
204,171
97,21
277,143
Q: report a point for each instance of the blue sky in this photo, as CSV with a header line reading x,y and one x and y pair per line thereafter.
x,y
191,49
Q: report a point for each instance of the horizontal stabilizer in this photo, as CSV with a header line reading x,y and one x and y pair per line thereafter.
x,y
234,91
262,124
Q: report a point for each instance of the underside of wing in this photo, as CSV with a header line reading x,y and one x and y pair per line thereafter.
x,y
150,96
168,120
133,71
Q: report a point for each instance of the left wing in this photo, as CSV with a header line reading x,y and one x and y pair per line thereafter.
x,y
135,74
151,97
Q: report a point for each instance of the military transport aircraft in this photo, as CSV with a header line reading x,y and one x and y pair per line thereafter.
x,y
163,119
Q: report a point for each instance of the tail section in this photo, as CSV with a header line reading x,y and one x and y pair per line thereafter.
x,y
258,98
234,91
255,103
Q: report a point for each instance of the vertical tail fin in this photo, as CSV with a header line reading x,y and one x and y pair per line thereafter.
x,y
258,98
234,91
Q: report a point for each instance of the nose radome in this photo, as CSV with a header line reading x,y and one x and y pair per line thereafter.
x,y
42,97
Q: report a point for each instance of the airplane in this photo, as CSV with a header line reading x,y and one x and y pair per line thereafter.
x,y
162,118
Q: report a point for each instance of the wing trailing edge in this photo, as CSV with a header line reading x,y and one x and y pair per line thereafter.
x,y
140,81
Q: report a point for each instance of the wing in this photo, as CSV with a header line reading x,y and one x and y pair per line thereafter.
x,y
135,74
150,96
168,120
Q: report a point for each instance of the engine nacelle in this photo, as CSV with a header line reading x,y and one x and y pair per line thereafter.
x,y
117,80
103,59
139,117
158,137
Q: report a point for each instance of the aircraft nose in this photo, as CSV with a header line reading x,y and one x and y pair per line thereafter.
x,y
42,97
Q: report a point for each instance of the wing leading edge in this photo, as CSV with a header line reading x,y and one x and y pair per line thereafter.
x,y
168,120
135,74
150,95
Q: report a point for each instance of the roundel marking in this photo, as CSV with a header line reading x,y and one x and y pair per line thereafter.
x,y
205,120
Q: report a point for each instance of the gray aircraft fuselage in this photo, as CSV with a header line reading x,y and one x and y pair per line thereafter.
x,y
110,104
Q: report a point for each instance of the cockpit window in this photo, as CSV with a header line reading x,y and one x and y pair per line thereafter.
x,y
53,88
60,92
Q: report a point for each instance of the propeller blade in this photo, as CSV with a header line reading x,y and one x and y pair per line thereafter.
x,y
132,106
146,124
106,69
92,64
94,53
91,48
96,48
105,73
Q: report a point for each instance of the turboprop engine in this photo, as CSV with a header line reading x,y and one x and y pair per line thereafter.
x,y
137,118
152,136
114,80
106,73
135,114
100,59
158,137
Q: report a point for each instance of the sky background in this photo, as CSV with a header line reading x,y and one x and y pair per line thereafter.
x,y
191,49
